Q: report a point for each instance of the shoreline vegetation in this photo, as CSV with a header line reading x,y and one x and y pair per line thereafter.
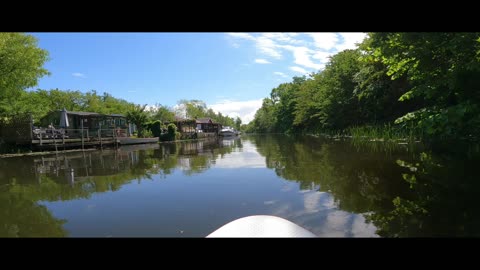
x,y
394,87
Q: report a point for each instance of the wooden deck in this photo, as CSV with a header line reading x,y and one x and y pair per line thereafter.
x,y
126,140
49,144
71,143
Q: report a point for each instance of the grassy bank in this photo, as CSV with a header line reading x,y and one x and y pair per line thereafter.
x,y
386,133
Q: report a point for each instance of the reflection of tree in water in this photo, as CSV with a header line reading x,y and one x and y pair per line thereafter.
x,y
401,191
21,217
28,180
196,156
443,201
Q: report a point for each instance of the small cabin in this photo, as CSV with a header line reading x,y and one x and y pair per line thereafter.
x,y
207,125
90,121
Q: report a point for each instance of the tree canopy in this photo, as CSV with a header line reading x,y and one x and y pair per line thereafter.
x,y
21,65
427,82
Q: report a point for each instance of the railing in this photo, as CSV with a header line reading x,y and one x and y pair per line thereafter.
x,y
85,134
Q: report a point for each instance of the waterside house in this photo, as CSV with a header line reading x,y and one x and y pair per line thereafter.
x,y
197,128
74,122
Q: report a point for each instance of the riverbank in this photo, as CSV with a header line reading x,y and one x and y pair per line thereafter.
x,y
44,153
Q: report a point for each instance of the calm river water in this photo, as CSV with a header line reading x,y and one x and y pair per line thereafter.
x,y
333,188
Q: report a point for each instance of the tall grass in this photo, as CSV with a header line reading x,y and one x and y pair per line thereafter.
x,y
385,133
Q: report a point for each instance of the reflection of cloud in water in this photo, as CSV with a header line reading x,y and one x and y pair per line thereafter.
x,y
288,187
248,158
320,215
269,202
360,227
282,210
90,207
316,201
327,201
311,201
336,224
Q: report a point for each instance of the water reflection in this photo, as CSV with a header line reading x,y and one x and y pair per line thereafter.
x,y
333,188
403,191
26,181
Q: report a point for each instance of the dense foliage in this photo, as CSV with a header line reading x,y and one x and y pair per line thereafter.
x,y
21,65
427,82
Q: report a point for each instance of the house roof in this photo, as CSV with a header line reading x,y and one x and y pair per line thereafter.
x,y
94,114
83,113
204,120
180,119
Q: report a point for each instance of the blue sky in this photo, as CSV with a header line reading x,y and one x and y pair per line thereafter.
x,y
231,72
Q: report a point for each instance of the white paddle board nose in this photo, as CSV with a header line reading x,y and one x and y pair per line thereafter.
x,y
261,226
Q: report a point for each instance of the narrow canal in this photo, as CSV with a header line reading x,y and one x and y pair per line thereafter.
x,y
332,188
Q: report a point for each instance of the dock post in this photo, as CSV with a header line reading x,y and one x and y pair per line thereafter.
x,y
115,139
81,126
100,138
55,140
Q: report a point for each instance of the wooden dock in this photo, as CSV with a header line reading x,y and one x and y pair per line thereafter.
x,y
71,143
49,144
126,140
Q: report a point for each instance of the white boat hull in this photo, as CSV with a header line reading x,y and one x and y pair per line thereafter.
x,y
227,133
261,226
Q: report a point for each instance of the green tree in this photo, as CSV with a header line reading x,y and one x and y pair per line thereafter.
x,y
307,108
265,120
238,123
284,100
139,117
193,108
163,113
21,65
444,70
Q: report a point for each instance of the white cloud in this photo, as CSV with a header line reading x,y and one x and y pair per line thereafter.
x,y
79,75
283,37
243,109
349,40
309,50
302,56
299,69
322,56
324,41
241,35
268,47
262,61
280,74
150,107
264,43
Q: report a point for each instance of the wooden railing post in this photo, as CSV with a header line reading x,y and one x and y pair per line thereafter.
x,y
81,126
100,137
54,139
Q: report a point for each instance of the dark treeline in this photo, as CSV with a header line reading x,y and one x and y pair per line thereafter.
x,y
427,83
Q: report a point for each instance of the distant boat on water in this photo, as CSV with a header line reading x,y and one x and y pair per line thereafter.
x,y
229,132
